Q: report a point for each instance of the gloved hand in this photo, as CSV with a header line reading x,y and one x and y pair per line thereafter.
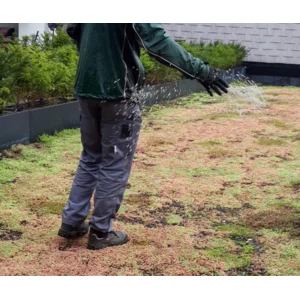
x,y
214,82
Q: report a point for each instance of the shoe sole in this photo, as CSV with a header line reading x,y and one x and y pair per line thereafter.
x,y
72,235
92,247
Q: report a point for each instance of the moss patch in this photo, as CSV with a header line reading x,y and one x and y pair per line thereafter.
x,y
270,142
210,193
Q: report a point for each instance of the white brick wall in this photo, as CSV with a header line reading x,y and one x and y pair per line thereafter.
x,y
268,42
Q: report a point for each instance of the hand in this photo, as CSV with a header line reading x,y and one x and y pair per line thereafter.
x,y
73,31
215,83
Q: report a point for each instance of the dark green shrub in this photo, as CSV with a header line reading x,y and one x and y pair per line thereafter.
x,y
33,69
217,54
4,92
44,67
156,72
26,73
64,64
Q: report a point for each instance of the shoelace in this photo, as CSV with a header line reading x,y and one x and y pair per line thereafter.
x,y
114,233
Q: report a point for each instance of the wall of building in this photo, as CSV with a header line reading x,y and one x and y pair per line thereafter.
x,y
32,28
267,42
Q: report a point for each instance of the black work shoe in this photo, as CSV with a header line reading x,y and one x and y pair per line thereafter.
x,y
99,240
73,232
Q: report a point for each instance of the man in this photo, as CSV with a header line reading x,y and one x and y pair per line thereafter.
x,y
108,77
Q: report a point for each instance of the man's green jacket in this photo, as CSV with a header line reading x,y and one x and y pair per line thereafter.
x,y
109,58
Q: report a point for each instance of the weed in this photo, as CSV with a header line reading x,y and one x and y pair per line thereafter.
x,y
270,142
225,252
174,220
295,184
218,153
279,124
209,143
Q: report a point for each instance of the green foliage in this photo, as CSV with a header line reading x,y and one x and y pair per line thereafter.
x,y
61,39
64,66
44,68
174,220
4,92
217,54
37,68
156,72
221,251
26,73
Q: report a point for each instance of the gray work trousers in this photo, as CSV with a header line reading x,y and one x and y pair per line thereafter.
x,y
109,134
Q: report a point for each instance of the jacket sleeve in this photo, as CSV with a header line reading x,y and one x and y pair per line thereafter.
x,y
152,37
